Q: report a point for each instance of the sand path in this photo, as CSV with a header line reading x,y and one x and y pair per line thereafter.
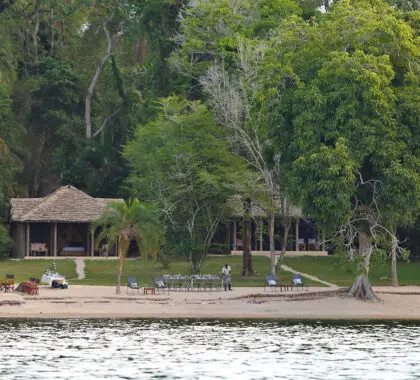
x,y
285,267
80,269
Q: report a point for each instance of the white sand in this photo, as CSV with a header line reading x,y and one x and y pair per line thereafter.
x,y
102,302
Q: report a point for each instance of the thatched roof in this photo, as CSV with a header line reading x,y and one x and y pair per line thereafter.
x,y
65,205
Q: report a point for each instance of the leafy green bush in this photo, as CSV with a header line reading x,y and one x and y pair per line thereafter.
x,y
5,242
164,258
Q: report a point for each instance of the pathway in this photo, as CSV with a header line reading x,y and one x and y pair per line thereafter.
x,y
80,268
285,267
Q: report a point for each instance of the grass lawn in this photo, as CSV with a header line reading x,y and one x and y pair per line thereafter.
x,y
333,270
24,269
103,272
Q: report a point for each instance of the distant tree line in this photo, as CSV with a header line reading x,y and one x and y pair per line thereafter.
x,y
186,104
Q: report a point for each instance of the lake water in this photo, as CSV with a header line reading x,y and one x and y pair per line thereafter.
x,y
190,349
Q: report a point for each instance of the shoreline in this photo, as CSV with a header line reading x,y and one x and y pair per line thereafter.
x,y
324,304
295,318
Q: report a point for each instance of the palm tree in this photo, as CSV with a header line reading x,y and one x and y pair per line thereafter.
x,y
125,221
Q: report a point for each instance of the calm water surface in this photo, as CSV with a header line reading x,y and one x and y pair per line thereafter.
x,y
182,349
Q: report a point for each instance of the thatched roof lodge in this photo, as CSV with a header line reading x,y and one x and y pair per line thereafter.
x,y
56,225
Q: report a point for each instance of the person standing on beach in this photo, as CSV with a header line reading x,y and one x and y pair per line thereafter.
x,y
226,276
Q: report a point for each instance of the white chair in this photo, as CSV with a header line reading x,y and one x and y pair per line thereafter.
x,y
312,245
302,245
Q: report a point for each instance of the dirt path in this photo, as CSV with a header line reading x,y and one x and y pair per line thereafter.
x,y
285,267
80,269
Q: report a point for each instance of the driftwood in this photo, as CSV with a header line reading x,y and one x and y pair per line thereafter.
x,y
11,302
290,296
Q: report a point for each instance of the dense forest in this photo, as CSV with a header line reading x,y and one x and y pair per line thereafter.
x,y
185,104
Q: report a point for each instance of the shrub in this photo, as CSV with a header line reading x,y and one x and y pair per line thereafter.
x,y
5,242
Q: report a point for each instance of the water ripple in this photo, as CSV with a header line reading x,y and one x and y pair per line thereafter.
x,y
183,349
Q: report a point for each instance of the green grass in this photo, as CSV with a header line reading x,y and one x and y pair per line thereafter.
x,y
24,269
333,270
104,272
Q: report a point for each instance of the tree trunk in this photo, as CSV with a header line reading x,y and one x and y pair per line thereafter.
x,y
123,252
247,269
36,30
37,159
286,228
63,32
139,51
51,31
88,100
194,264
394,260
286,221
272,246
361,288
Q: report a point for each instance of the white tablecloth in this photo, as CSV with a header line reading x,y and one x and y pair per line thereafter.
x,y
49,278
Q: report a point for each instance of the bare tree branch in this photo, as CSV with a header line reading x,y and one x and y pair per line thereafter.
x,y
112,41
110,117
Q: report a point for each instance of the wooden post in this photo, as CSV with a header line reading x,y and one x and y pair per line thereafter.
x,y
297,234
55,239
235,245
20,251
92,243
51,243
28,239
87,250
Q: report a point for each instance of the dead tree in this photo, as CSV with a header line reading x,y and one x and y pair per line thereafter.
x,y
365,227
112,40
233,98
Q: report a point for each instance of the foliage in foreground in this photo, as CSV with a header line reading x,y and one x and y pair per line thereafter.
x,y
5,242
121,222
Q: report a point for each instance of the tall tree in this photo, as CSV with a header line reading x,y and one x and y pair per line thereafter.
x,y
223,45
351,153
182,162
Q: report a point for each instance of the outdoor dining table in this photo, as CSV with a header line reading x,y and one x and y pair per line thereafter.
x,y
189,282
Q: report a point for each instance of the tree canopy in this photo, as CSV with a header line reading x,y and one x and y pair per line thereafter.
x,y
185,104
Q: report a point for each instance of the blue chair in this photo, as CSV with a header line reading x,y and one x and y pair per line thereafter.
x,y
132,284
159,283
297,280
271,282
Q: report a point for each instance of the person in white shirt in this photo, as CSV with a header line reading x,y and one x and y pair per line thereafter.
x,y
226,276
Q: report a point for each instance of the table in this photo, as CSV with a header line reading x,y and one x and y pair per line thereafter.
x,y
202,281
146,290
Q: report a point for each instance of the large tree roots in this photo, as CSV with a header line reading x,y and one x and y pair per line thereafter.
x,y
362,289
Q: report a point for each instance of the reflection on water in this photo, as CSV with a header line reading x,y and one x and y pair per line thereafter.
x,y
182,349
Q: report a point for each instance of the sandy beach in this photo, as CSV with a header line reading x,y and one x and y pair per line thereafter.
x,y
401,303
